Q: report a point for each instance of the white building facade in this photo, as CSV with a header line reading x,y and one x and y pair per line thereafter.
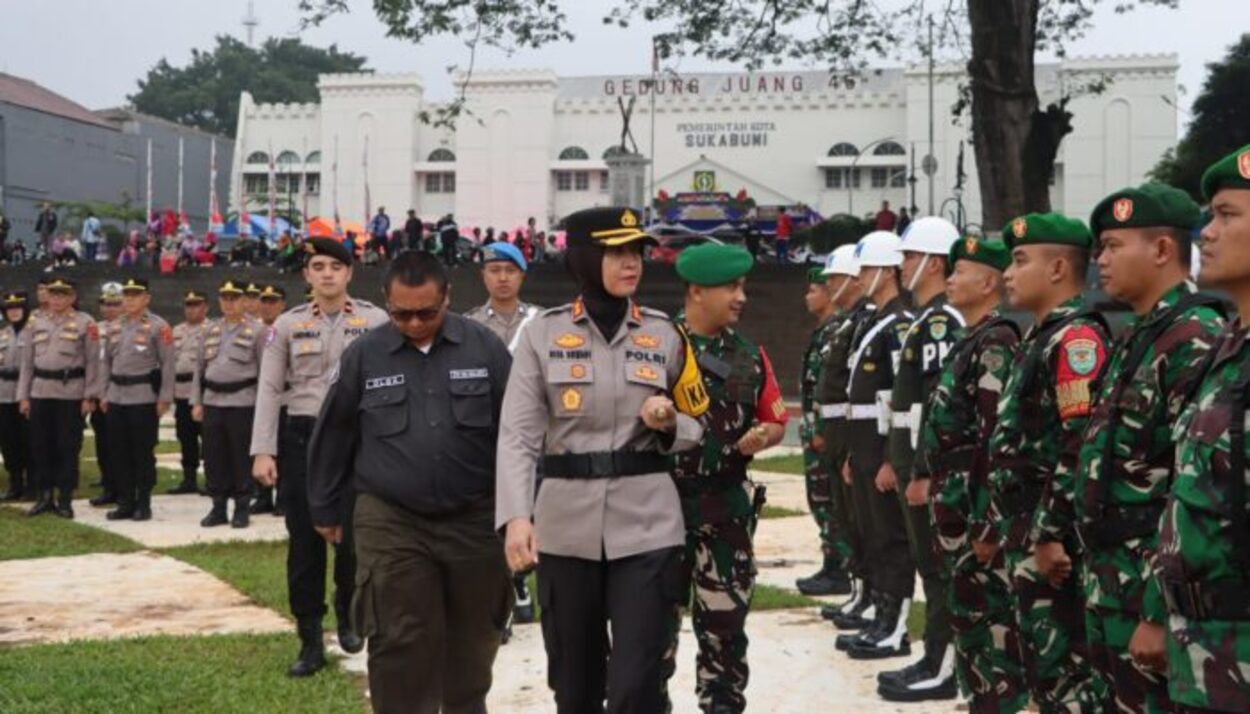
x,y
531,143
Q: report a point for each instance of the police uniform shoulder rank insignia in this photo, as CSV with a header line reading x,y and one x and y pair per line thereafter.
x,y
571,399
570,341
1082,356
646,341
645,372
1122,209
937,329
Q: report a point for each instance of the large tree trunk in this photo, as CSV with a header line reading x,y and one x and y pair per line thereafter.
x,y
1015,142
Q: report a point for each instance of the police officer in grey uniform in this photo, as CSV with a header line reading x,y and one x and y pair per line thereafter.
x,y
110,306
14,431
138,375
503,273
600,390
272,304
55,389
223,399
302,350
187,337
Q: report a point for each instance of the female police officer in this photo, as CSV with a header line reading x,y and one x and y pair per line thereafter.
x,y
600,389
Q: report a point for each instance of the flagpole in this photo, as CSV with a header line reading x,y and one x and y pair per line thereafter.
x,y
335,171
149,182
180,157
655,70
273,193
213,212
364,159
303,188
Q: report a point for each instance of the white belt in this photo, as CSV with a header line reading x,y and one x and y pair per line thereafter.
x,y
900,420
833,411
863,411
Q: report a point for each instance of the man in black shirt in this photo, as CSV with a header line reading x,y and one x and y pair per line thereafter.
x,y
410,424
413,228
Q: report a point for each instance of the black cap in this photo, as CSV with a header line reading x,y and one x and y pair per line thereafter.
x,y
135,285
329,247
252,290
231,287
191,297
60,283
272,292
605,227
15,298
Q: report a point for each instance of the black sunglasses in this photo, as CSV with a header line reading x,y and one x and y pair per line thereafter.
x,y
424,314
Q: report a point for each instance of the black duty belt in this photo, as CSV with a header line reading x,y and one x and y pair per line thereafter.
x,y
604,464
152,379
9,375
63,375
1120,524
1208,599
229,387
184,378
1019,500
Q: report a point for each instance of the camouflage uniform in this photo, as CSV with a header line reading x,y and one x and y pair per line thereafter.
x,y
1033,453
819,486
717,504
925,349
1123,479
960,416
1204,546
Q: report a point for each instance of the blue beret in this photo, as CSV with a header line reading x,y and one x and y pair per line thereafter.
x,y
506,252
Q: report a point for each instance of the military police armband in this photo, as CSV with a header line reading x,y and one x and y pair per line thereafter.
x,y
689,393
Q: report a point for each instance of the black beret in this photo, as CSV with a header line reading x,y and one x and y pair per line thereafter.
x,y
328,247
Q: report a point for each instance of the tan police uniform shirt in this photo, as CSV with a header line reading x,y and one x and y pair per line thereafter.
x,y
572,391
136,347
10,362
505,326
186,355
229,352
60,342
302,350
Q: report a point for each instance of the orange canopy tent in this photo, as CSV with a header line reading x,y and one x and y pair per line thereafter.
x,y
322,227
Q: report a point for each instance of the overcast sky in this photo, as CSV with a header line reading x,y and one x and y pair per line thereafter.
x,y
93,51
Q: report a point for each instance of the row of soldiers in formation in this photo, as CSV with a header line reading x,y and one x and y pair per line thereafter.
x,y
1074,503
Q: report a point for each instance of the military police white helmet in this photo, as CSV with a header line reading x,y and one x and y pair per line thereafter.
x,y
879,249
841,261
931,234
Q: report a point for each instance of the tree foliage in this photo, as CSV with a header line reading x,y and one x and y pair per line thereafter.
x,y
1220,122
205,92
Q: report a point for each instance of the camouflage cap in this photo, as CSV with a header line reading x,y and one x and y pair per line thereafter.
x,y
1151,205
1047,229
1232,171
714,264
986,251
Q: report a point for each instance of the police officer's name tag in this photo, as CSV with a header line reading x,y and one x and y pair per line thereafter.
x,y
382,382
480,373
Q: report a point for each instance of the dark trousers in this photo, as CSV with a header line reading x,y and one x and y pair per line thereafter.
x,y
99,427
227,441
55,442
933,575
580,600
15,446
886,549
188,431
306,549
132,430
433,596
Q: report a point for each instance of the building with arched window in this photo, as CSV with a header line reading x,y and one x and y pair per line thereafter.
x,y
531,143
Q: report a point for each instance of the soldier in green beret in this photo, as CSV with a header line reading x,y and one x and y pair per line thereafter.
x,y
719,503
1204,548
960,416
1127,454
1033,453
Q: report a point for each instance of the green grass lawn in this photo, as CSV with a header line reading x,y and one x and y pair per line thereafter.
x,y
48,536
767,597
780,512
223,673
258,570
792,464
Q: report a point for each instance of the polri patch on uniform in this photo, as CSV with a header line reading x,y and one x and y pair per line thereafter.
x,y
394,380
479,373
571,399
577,371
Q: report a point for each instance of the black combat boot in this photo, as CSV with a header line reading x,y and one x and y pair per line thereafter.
x,y
143,508
348,639
15,490
312,653
241,511
43,504
65,505
832,610
870,613
890,638
187,486
217,516
859,615
523,609
104,499
829,580
264,501
931,678
124,512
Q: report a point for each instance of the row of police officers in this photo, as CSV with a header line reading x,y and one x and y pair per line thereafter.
x,y
1073,499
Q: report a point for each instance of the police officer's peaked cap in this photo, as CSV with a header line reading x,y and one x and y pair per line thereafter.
x,y
1232,171
111,292
192,297
272,292
15,298
605,227
1047,229
329,247
504,253
231,287
714,264
252,289
1151,205
135,285
986,251
60,283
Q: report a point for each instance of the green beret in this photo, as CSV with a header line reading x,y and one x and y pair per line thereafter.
x,y
816,276
1047,229
1151,205
1232,171
985,251
713,264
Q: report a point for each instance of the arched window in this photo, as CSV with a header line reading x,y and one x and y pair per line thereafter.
x,y
574,153
843,148
258,157
441,155
889,148
314,157
287,157
613,150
